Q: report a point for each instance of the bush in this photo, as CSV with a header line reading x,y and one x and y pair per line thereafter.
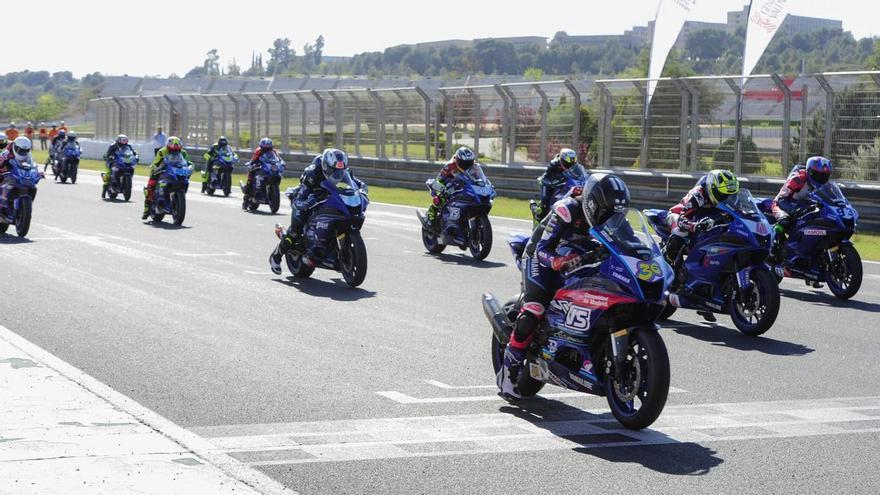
x,y
724,155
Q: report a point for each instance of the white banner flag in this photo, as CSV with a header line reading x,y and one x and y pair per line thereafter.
x,y
765,18
671,16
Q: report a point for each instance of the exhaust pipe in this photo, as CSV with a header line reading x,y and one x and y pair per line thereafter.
x,y
501,326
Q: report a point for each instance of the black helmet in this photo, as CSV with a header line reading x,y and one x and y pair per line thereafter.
x,y
604,195
222,142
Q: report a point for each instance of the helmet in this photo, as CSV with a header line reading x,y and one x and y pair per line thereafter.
x,y
21,147
721,185
62,134
334,163
4,142
222,142
71,136
819,170
266,144
464,158
121,139
174,144
567,158
604,195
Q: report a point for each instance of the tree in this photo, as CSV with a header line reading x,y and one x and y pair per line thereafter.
x,y
533,74
212,63
233,69
319,49
256,68
280,56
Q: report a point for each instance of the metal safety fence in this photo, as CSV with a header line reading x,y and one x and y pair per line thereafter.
x,y
693,124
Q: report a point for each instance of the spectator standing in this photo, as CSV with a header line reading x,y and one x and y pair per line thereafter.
x,y
11,132
53,132
63,127
44,135
29,131
159,140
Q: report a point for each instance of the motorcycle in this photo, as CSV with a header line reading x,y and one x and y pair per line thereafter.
x,y
726,268
464,218
169,197
599,335
820,246
573,177
221,176
266,184
20,195
66,163
332,234
121,172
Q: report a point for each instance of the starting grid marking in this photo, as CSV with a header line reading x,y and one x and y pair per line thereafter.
x,y
402,398
393,438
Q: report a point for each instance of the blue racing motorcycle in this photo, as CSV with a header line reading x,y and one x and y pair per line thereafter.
x,y
170,195
221,175
332,236
66,164
20,194
267,181
599,334
819,248
121,172
726,270
575,176
464,217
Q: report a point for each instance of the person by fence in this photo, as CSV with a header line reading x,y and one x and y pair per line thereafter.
x,y
158,141
43,133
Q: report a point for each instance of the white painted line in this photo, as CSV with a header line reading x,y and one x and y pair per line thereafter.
x,y
184,440
206,255
408,437
444,386
402,398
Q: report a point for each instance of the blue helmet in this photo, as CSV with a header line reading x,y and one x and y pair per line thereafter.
x,y
818,171
464,157
266,144
334,164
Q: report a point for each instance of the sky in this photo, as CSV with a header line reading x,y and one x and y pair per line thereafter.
x,y
162,37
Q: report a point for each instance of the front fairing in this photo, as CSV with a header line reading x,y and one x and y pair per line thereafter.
x,y
346,196
835,208
25,174
747,221
272,166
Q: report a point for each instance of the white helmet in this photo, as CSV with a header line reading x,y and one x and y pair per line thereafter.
x,y
21,147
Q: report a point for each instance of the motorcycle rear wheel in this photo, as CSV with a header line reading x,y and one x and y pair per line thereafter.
x,y
647,363
528,386
432,243
296,266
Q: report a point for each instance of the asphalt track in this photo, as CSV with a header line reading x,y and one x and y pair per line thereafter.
x,y
389,387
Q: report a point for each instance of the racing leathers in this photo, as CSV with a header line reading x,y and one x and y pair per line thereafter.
x,y
306,196
110,158
560,243
209,157
438,189
687,217
156,169
793,196
548,181
252,167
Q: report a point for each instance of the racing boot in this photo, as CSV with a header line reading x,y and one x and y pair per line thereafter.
x,y
708,316
508,376
433,214
673,248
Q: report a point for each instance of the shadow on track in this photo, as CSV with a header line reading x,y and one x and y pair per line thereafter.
x,y
825,298
336,290
663,454
464,260
264,213
726,337
13,239
166,225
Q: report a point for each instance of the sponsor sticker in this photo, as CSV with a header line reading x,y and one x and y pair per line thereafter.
x,y
815,232
648,271
580,381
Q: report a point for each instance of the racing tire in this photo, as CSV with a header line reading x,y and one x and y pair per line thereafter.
x,y
527,386
3,227
227,184
765,295
851,262
648,362
432,242
480,240
126,187
667,312
273,197
178,207
23,216
353,259
296,266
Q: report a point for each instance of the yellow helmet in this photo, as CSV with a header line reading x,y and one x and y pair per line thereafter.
x,y
721,185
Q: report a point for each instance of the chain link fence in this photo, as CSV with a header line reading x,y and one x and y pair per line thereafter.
x,y
693,124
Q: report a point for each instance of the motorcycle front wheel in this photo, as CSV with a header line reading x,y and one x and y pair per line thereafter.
x,y
480,238
755,311
353,259
178,207
845,273
638,398
23,216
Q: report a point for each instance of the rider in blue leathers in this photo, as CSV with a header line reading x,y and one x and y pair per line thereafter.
x,y
331,163
554,249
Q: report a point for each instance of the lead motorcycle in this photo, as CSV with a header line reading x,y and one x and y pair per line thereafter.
x,y
267,181
169,198
121,172
575,176
599,335
332,234
726,270
464,218
820,246
20,195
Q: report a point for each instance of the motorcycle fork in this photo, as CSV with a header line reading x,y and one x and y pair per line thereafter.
x,y
619,346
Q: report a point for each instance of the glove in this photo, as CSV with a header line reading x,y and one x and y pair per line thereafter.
x,y
438,187
704,225
566,262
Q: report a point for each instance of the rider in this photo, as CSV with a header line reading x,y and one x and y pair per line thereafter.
x,y
57,141
173,147
332,163
20,150
210,156
463,159
552,250
794,194
4,142
690,214
253,166
120,145
561,163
